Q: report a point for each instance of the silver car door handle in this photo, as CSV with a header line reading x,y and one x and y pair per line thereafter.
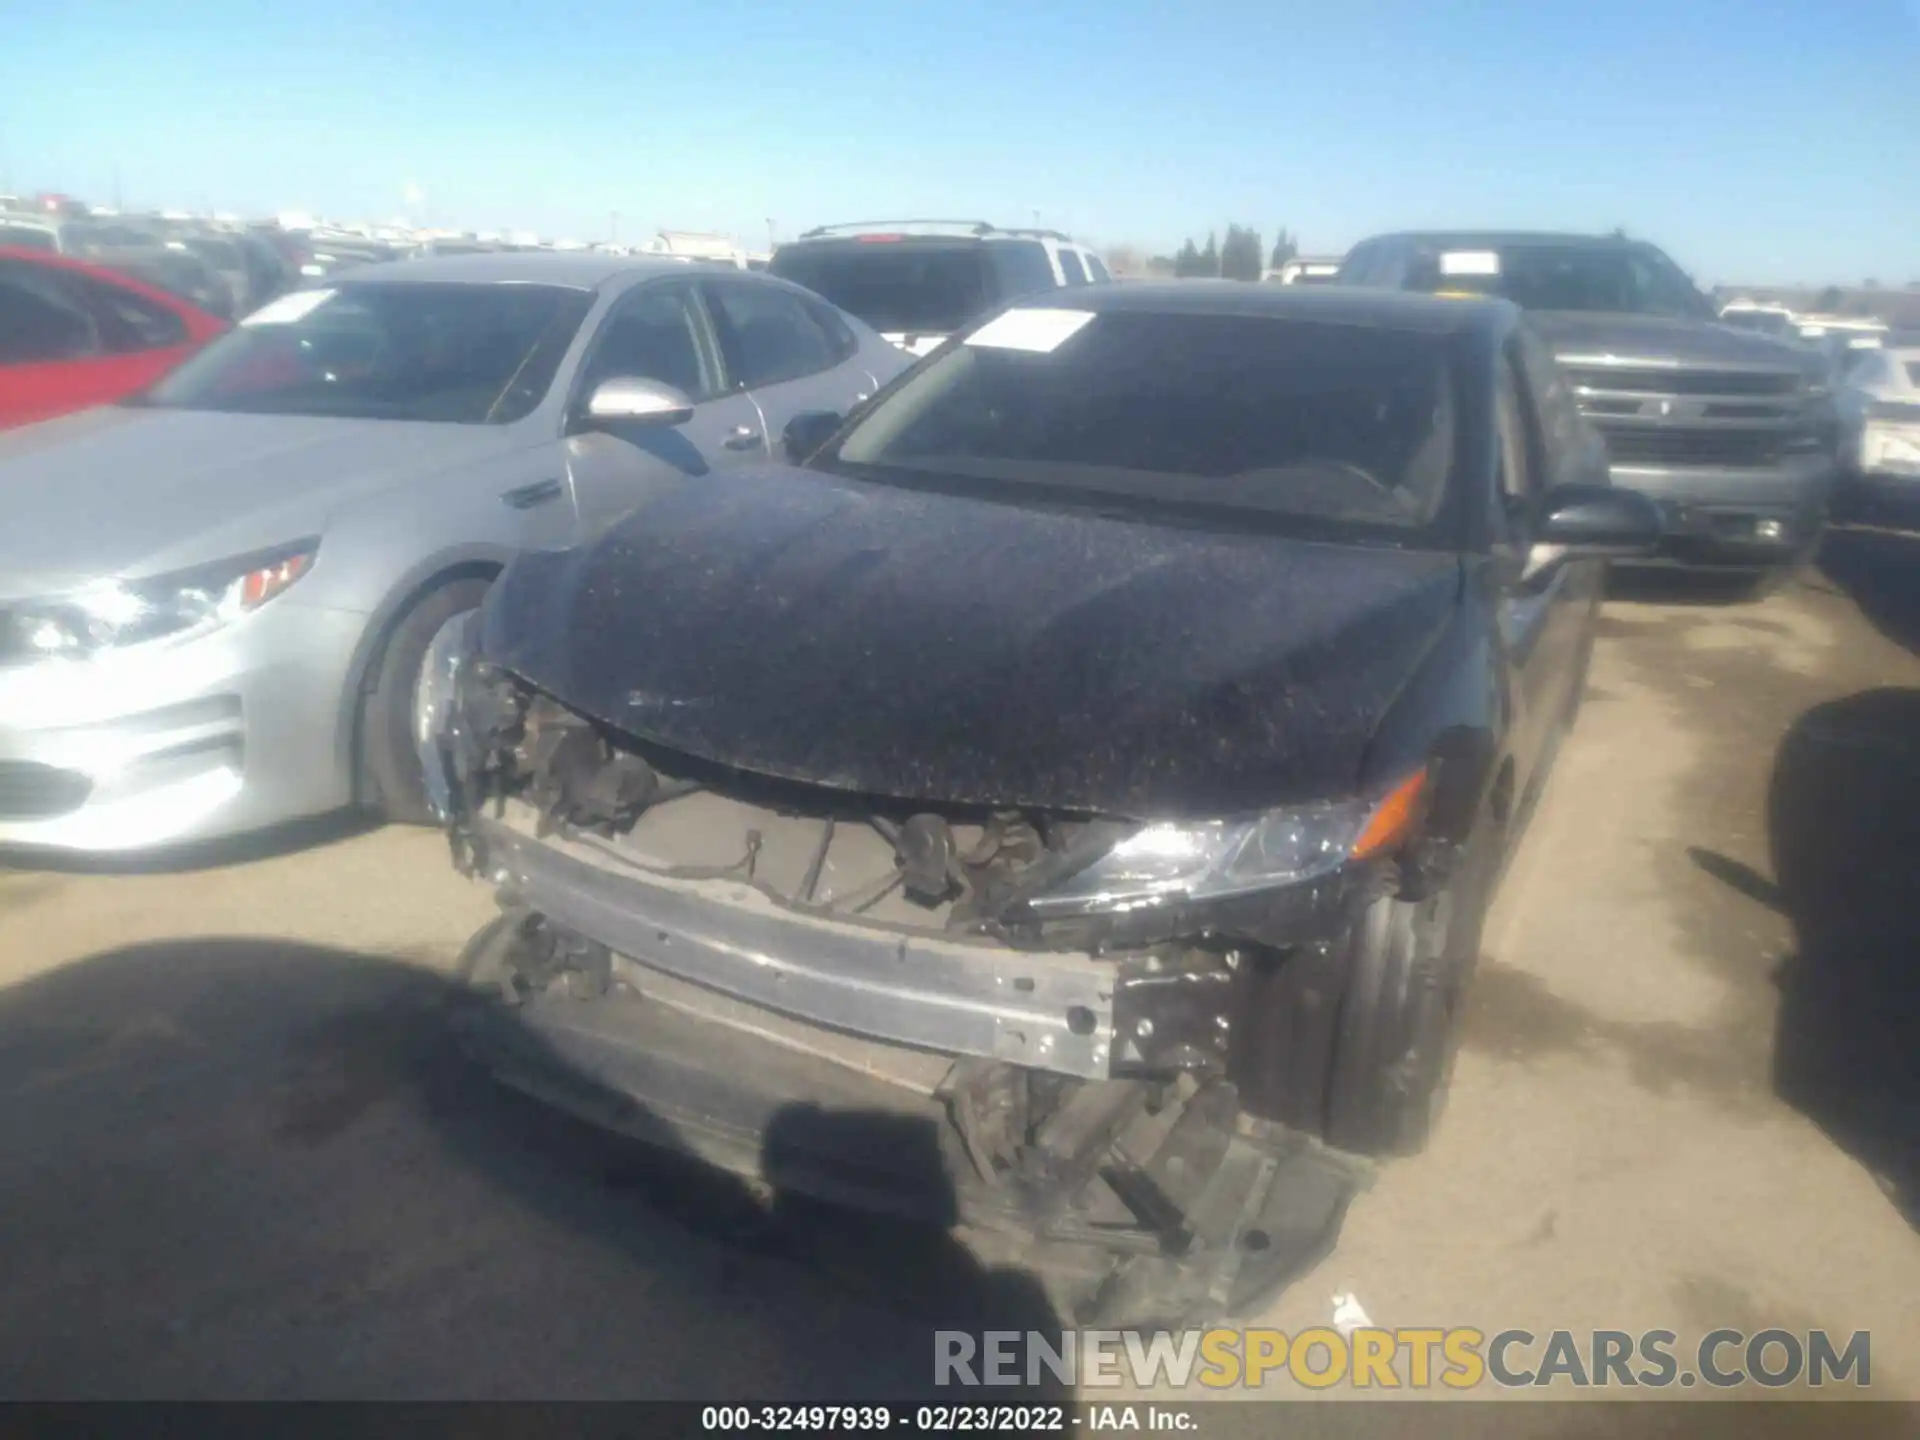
x,y
525,497
741,437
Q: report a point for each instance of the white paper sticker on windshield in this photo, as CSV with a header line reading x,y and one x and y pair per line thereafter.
x,y
1039,331
289,308
1470,262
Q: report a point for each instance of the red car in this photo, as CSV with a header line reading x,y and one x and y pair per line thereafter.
x,y
74,335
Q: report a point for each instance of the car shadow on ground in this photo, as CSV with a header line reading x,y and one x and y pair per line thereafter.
x,y
1652,585
240,1168
1843,816
1880,571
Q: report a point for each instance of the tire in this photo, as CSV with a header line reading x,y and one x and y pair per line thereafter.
x,y
390,754
1399,1019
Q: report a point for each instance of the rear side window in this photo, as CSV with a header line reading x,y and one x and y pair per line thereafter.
x,y
771,335
1098,268
130,323
1071,267
899,287
1022,268
42,319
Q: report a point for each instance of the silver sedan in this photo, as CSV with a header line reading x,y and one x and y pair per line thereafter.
x,y
224,605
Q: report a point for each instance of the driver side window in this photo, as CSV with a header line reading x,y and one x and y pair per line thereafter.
x,y
657,333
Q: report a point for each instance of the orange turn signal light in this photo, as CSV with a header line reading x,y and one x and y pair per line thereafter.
x,y
1393,818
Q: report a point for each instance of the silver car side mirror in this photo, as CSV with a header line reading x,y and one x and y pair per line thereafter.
x,y
630,400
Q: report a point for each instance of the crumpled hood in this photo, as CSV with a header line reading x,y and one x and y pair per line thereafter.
x,y
126,492
1588,335
932,647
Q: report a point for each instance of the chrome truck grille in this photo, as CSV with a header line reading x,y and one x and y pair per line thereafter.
x,y
1668,416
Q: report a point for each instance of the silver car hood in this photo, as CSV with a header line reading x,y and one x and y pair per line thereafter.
x,y
125,492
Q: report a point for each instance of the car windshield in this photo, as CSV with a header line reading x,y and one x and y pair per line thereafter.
x,y
464,354
1311,420
897,287
1615,279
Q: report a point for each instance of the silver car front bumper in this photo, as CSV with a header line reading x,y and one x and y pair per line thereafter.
x,y
1051,1011
172,742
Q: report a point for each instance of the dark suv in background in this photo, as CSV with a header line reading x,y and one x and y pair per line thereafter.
x,y
918,281
1733,433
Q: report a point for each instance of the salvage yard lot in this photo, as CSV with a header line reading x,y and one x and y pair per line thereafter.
x,y
239,1160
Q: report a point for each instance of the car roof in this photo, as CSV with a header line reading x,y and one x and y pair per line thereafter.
x,y
575,269
1328,304
1487,239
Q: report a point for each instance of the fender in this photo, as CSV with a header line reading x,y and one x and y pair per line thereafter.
x,y
1451,716
454,562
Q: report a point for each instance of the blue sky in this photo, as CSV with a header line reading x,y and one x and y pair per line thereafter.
x,y
1754,139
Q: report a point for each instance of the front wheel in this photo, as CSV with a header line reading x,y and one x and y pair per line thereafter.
x,y
404,712
1399,1020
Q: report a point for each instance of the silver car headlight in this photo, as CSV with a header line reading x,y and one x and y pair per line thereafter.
x,y
1186,861
114,614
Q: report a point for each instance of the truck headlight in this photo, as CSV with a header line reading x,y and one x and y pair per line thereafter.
x,y
112,614
1185,861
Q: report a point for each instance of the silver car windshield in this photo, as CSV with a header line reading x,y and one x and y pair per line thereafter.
x,y
1305,419
461,354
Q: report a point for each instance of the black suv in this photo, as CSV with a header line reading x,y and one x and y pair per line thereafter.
x,y
1732,432
918,281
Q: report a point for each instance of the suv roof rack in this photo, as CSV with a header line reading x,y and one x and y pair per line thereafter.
x,y
969,227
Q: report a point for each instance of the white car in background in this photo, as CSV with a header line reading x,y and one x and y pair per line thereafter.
x,y
1306,270
1879,405
1766,319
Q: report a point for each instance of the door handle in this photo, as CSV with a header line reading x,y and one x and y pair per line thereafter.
x,y
525,497
741,437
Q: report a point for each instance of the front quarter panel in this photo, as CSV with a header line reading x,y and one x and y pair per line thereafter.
x,y
379,555
1453,715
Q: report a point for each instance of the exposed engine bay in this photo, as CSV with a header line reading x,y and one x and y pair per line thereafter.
x,y
749,942
941,869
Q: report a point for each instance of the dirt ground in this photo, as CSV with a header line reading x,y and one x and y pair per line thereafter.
x,y
237,1158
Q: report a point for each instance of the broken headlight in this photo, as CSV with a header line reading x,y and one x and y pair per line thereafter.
x,y
1185,861
113,614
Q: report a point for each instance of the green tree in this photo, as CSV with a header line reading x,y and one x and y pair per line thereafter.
x,y
1284,249
1240,256
1210,257
1828,299
1186,261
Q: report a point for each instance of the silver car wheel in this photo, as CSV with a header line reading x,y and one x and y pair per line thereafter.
x,y
432,702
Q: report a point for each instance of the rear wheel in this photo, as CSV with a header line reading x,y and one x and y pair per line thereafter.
x,y
401,719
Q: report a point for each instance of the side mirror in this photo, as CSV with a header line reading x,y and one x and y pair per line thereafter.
x,y
807,432
629,400
1599,521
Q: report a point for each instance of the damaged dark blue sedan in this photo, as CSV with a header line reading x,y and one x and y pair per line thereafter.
x,y
1065,797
